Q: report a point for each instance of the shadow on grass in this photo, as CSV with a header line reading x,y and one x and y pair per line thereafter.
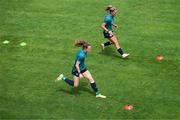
x,y
82,87
109,51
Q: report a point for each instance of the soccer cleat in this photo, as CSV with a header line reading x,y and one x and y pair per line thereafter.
x,y
102,46
60,77
100,96
125,55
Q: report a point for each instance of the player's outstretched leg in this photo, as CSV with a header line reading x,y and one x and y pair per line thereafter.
x,y
62,77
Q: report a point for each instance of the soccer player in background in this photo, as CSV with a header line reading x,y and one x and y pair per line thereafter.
x,y
108,31
79,69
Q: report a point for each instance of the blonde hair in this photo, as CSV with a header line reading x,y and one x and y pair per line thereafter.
x,y
112,9
108,7
81,43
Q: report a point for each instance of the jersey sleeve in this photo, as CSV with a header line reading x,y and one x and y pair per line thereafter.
x,y
80,58
107,20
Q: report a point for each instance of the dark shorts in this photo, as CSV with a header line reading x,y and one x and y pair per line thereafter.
x,y
75,72
107,35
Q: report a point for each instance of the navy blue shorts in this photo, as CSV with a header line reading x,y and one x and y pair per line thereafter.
x,y
75,72
107,35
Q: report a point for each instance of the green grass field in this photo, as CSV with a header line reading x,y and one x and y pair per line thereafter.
x,y
49,27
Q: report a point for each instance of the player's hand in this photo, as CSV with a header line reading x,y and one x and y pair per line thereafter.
x,y
110,32
80,76
116,26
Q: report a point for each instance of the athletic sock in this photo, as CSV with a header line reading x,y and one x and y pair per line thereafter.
x,y
68,81
93,86
120,51
107,43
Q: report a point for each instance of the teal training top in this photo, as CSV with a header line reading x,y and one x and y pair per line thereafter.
x,y
80,56
109,19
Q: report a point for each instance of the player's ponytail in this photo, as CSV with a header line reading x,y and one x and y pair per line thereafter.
x,y
81,43
108,8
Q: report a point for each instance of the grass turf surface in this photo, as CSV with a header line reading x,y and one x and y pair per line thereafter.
x,y
147,28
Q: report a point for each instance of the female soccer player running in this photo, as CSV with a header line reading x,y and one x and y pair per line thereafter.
x,y
79,69
108,33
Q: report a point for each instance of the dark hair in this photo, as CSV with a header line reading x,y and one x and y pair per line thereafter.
x,y
108,7
81,43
